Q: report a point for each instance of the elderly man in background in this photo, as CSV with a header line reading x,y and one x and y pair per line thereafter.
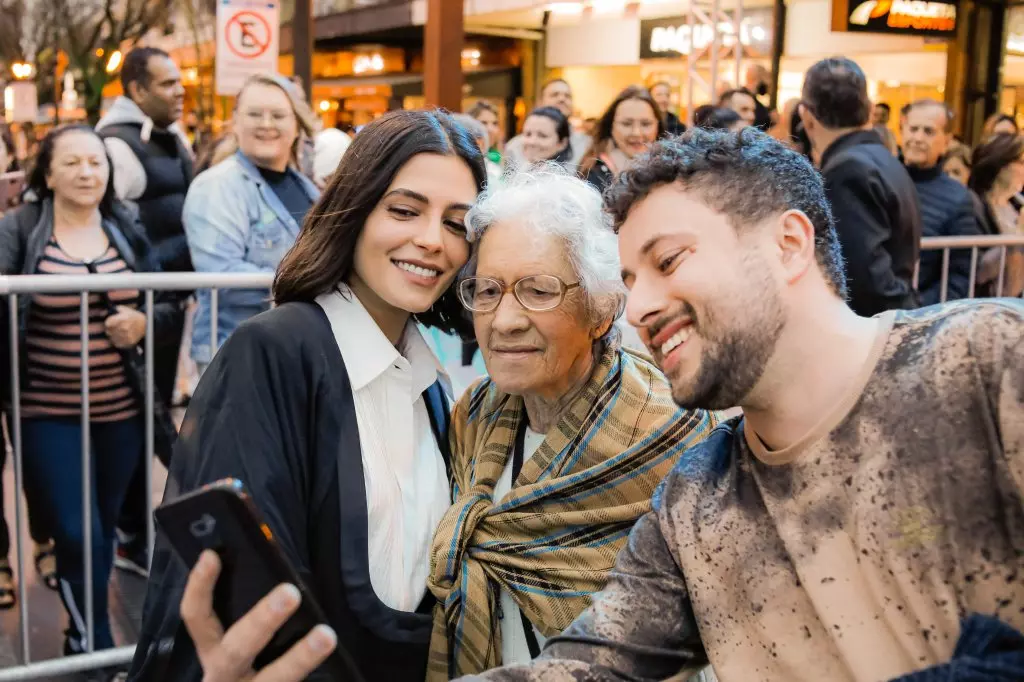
x,y
947,209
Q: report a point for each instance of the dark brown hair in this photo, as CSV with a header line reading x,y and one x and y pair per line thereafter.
x,y
37,180
324,252
990,158
836,92
603,133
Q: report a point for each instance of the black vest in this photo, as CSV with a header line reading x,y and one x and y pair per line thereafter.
x,y
168,167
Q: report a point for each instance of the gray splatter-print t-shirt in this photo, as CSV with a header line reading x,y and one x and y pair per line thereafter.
x,y
851,556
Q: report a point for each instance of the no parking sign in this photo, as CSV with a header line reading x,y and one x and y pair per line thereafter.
x,y
248,32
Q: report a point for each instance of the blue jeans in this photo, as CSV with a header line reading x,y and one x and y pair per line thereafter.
x,y
53,470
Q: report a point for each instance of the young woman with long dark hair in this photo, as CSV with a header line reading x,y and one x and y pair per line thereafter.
x,y
331,409
630,124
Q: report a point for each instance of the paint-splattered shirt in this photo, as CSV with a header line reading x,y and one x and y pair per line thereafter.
x,y
850,556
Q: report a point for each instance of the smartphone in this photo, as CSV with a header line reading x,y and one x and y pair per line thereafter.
x,y
222,516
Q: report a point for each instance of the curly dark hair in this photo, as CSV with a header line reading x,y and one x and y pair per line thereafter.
x,y
746,176
836,92
323,255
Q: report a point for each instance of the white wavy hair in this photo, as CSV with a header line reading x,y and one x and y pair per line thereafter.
x,y
550,200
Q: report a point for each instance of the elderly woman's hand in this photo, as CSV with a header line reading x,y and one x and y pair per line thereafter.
x,y
228,656
126,327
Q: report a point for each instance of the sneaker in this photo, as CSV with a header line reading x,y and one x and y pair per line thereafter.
x,y
132,554
73,644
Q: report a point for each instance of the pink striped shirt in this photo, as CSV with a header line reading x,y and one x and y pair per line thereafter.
x,y
53,386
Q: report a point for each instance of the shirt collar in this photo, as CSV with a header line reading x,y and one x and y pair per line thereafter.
x,y
368,353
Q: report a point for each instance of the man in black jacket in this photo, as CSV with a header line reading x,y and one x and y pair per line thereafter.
x,y
152,167
873,198
662,94
947,209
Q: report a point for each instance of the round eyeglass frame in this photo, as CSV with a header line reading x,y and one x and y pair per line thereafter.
x,y
466,299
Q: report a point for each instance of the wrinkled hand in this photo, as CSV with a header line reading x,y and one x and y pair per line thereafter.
x,y
126,327
228,657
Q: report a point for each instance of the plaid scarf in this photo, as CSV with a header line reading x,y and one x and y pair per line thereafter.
x,y
553,539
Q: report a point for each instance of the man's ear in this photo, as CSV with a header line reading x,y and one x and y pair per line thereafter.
x,y
133,91
794,239
806,117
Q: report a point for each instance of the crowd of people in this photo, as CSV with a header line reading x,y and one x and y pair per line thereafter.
x,y
765,261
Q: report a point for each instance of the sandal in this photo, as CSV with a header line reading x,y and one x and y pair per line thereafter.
x,y
7,597
46,565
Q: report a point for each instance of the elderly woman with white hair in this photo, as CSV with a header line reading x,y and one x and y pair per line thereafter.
x,y
556,454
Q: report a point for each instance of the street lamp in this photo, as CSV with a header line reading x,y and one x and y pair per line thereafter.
x,y
22,70
114,61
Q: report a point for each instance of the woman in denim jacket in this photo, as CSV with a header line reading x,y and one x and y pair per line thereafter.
x,y
243,214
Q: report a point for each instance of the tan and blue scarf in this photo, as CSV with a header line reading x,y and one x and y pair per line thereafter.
x,y
551,541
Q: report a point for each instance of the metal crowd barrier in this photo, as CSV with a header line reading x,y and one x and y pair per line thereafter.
x,y
975,244
14,286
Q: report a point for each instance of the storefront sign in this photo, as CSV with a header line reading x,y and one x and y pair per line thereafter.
x,y
363,64
248,33
673,37
21,102
906,17
1015,31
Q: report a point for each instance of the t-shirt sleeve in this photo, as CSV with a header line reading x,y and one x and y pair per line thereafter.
x,y
641,626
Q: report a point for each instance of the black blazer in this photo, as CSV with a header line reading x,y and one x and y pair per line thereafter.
x,y
275,410
878,221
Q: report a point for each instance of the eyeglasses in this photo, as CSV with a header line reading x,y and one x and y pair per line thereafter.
x,y
534,292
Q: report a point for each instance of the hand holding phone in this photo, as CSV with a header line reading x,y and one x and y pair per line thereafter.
x,y
241,580
228,656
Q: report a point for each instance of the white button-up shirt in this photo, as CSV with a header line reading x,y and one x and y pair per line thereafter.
x,y
515,647
407,489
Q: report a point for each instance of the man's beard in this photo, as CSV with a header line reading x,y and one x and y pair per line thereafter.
x,y
734,358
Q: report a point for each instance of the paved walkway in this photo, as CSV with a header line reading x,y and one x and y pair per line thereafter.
x,y
47,618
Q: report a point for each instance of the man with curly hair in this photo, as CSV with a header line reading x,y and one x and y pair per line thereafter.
x,y
866,505
861,520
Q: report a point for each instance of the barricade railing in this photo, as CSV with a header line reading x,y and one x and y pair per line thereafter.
x,y
999,244
14,286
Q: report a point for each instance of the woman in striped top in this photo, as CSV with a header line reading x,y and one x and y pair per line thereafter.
x,y
77,228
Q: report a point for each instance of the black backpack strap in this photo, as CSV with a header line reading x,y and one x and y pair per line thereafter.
x,y
440,419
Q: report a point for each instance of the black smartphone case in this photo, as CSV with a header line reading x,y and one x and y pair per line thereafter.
x,y
223,518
